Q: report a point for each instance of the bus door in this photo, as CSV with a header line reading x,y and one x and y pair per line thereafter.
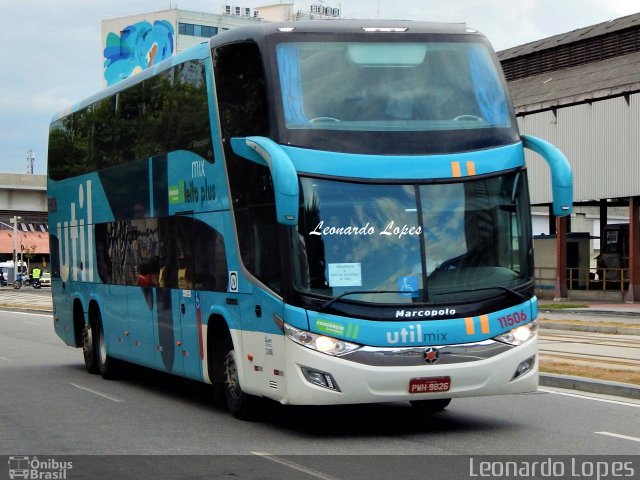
x,y
189,347
142,302
200,276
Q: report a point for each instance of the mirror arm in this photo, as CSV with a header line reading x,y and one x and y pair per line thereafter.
x,y
561,174
264,151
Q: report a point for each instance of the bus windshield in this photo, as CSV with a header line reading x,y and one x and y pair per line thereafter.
x,y
431,243
395,87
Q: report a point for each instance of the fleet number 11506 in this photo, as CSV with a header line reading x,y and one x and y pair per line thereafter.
x,y
512,319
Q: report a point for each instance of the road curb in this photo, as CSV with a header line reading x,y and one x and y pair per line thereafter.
x,y
602,387
609,329
588,311
24,308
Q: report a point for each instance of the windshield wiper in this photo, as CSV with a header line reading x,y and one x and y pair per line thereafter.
x,y
470,290
328,303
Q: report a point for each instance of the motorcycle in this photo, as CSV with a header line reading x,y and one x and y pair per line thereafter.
x,y
22,281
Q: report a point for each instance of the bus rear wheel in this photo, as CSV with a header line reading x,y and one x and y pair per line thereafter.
x,y
240,404
89,350
106,365
431,406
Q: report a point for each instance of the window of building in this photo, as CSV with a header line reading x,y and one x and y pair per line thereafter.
x,y
190,29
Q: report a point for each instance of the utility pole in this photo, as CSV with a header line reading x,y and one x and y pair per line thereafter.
x,y
30,160
14,220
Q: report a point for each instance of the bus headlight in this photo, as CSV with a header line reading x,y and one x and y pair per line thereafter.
x,y
320,343
519,335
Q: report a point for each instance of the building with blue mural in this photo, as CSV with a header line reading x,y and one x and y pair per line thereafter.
x,y
135,42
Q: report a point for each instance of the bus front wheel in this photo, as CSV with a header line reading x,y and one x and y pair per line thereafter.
x,y
240,404
431,406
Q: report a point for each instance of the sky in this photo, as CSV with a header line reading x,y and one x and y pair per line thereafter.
x,y
51,51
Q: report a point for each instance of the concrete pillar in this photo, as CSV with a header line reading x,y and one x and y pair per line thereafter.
x,y
562,224
633,294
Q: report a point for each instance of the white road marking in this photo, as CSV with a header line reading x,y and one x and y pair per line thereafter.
x,y
103,395
5,359
585,397
296,466
617,435
49,315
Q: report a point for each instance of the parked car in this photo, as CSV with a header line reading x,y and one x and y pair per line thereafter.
x,y
45,279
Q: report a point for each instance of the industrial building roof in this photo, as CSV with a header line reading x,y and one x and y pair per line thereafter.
x,y
591,63
569,86
581,34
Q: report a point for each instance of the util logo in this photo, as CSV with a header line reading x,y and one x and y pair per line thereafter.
x,y
75,236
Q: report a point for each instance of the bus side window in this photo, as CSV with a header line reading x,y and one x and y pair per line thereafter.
x,y
241,90
242,105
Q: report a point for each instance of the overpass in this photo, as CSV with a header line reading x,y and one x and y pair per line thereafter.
x,y
24,196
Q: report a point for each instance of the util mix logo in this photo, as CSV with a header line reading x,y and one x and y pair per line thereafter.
x,y
75,237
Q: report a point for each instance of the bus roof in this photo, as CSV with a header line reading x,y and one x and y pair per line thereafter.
x,y
263,30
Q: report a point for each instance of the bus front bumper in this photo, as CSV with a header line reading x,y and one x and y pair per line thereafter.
x,y
373,377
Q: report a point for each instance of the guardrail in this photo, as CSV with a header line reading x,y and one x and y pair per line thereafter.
x,y
600,279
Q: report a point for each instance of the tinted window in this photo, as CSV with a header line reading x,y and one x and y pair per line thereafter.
x,y
241,91
169,252
164,113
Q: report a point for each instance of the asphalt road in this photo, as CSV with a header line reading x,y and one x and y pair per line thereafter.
x,y
50,404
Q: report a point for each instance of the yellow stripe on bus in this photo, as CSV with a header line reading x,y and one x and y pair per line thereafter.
x,y
484,323
455,169
471,168
470,327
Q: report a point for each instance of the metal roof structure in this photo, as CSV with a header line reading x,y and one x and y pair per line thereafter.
x,y
588,64
586,83
614,26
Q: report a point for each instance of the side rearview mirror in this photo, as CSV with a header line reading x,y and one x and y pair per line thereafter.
x,y
264,151
561,174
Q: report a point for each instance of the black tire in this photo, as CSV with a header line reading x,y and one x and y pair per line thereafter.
x,y
107,366
240,404
90,350
431,406
17,285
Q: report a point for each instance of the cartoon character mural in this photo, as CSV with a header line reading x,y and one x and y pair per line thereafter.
x,y
139,46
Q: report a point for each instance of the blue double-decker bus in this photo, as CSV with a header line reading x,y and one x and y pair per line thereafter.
x,y
329,212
